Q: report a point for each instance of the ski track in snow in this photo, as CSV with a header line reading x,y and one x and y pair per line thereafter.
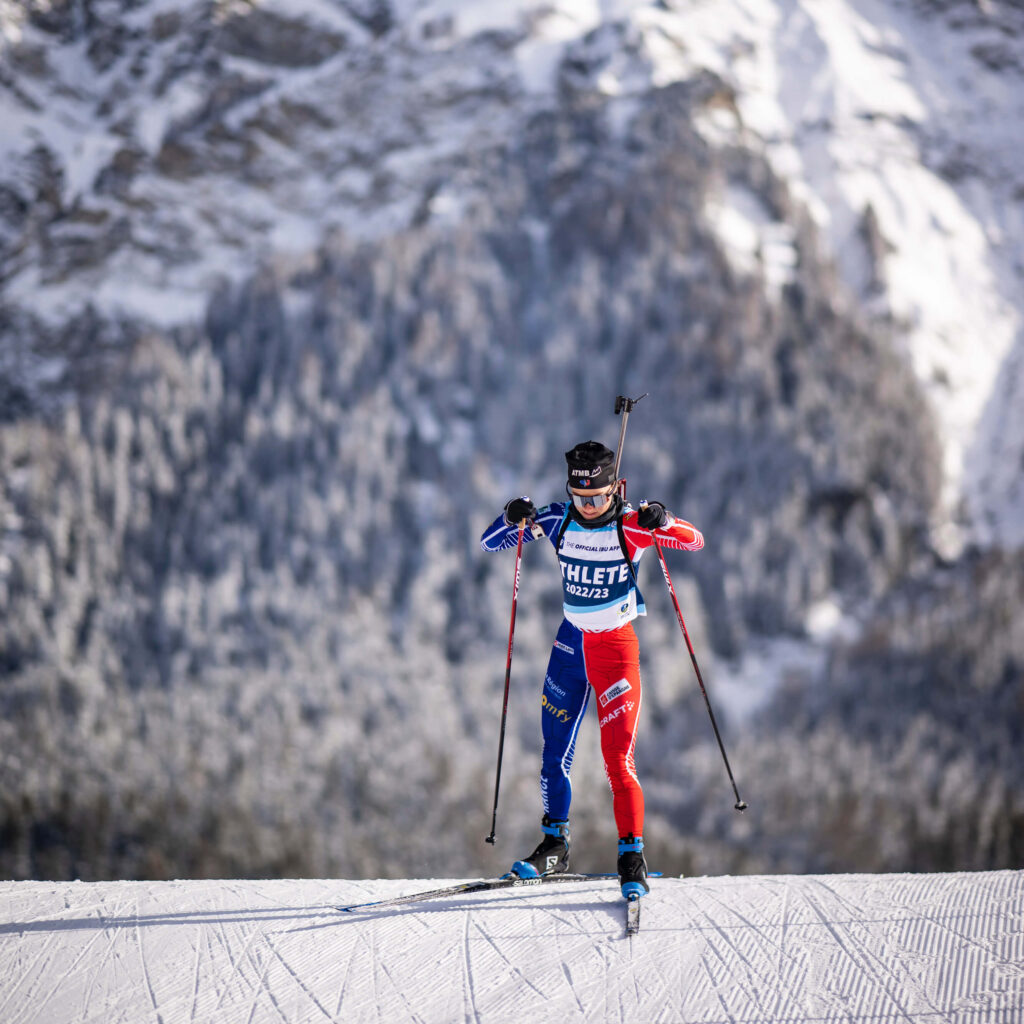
x,y
860,949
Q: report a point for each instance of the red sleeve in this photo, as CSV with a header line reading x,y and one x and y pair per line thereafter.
x,y
679,534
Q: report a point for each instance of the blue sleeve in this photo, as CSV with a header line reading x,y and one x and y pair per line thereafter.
x,y
501,535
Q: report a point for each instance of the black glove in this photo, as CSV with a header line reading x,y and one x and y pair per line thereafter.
x,y
519,509
652,516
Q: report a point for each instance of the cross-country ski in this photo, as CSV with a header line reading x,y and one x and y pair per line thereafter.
x,y
480,885
633,915
466,889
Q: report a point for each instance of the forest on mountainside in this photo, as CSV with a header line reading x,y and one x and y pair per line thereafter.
x,y
247,629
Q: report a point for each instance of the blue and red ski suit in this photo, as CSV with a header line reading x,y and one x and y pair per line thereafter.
x,y
596,646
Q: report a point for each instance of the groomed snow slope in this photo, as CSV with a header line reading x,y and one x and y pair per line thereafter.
x,y
851,948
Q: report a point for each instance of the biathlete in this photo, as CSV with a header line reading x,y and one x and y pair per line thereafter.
x,y
599,540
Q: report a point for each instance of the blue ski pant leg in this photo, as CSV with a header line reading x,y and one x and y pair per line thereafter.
x,y
564,702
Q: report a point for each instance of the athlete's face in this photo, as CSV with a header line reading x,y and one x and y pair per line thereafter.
x,y
591,504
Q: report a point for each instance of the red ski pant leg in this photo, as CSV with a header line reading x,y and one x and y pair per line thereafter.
x,y
612,662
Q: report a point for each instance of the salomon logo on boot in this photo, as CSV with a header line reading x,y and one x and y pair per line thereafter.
x,y
552,854
633,867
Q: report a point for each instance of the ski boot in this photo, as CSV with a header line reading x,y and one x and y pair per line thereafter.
x,y
633,867
552,855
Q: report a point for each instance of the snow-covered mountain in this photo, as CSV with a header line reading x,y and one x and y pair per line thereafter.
x,y
908,948
296,293
151,150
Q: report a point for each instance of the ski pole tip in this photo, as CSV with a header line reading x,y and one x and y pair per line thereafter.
x,y
741,805
490,839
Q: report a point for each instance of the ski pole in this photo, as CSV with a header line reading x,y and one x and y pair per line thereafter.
x,y
623,405
740,805
508,677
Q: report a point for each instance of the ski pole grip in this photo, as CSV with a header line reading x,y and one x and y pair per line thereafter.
x,y
534,528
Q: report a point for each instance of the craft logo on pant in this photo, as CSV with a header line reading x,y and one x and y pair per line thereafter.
x,y
612,715
613,691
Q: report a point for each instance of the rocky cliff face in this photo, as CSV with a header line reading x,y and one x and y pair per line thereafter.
x,y
296,296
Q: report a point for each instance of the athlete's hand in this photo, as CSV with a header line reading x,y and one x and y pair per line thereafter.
x,y
519,509
652,516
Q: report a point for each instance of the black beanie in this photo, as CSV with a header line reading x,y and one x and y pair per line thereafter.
x,y
591,466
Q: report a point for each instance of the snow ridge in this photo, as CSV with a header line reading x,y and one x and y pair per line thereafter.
x,y
914,949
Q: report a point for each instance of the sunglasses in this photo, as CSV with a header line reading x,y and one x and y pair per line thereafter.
x,y
591,500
